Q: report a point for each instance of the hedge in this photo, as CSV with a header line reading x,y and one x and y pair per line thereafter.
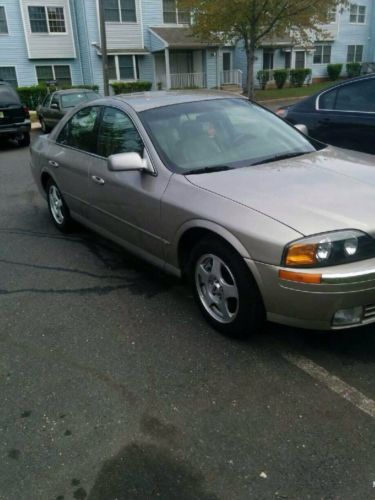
x,y
353,69
34,95
299,76
129,87
334,71
280,76
263,77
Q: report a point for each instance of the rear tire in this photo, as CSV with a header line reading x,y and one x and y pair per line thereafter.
x,y
25,140
44,127
58,209
224,288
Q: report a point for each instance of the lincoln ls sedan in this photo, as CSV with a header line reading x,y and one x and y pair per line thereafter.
x,y
263,221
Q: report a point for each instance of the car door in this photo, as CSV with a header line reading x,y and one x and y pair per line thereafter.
x,y
69,157
346,116
44,107
125,204
55,111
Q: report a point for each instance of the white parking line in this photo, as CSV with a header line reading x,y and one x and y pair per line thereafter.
x,y
334,383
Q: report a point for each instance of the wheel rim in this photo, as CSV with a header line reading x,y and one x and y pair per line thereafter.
x,y
217,288
56,204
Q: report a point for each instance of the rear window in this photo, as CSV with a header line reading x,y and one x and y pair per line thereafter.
x,y
71,100
8,96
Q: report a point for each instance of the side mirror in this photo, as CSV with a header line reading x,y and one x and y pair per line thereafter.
x,y
54,106
302,128
123,162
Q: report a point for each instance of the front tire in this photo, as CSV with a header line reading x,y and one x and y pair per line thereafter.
x,y
44,127
57,207
224,288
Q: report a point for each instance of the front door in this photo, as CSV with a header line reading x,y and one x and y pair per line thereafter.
x,y
124,204
227,61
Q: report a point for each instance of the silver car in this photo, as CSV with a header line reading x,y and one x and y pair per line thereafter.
x,y
263,221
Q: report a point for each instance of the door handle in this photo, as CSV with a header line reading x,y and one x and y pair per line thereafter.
x,y
97,179
53,163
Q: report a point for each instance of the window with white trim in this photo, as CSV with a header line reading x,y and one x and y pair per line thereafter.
x,y
60,73
45,19
120,11
173,15
322,54
122,67
355,53
8,74
357,13
3,21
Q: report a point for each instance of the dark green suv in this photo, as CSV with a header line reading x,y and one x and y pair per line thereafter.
x,y
14,117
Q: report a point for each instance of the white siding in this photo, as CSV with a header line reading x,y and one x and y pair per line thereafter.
x,y
45,45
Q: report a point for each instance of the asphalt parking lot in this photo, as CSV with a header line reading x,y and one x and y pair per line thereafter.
x,y
113,387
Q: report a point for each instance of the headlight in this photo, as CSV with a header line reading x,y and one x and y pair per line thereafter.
x,y
329,249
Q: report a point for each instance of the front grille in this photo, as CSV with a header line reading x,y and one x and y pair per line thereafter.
x,y
369,313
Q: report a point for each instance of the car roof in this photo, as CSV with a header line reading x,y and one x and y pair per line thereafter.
x,y
143,101
73,91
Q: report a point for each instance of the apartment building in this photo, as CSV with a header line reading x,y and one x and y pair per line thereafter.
x,y
44,40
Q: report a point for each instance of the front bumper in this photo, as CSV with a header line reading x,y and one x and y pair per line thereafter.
x,y
15,129
313,306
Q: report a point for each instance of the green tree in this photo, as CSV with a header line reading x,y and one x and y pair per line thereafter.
x,y
254,21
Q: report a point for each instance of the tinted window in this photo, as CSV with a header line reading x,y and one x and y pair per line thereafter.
x,y
79,132
71,100
327,100
359,96
117,134
8,96
47,101
55,100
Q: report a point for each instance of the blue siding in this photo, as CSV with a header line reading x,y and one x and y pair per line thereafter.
x,y
146,68
155,43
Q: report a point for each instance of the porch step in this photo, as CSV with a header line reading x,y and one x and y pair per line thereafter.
x,y
230,87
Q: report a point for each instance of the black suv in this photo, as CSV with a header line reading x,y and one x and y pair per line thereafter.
x,y
14,118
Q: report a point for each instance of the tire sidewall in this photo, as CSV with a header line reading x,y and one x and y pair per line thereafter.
x,y
250,313
65,226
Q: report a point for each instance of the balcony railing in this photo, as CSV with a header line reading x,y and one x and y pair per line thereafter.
x,y
231,77
188,80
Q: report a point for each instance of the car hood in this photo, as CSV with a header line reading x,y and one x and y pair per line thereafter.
x,y
322,191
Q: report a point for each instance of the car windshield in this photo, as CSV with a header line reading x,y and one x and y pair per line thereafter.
x,y
227,133
71,100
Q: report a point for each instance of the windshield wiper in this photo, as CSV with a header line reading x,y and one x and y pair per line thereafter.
x,y
207,170
280,157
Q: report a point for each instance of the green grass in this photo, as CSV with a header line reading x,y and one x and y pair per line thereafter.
x,y
264,95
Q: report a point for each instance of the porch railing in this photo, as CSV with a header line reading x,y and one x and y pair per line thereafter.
x,y
188,80
231,77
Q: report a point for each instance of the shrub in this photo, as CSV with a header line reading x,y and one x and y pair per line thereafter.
x,y
299,76
129,87
33,95
353,69
95,88
334,71
280,76
263,77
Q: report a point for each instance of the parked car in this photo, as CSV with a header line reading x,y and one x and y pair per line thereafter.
x,y
14,117
56,104
262,219
343,115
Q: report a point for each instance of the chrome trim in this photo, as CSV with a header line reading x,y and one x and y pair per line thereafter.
x,y
354,277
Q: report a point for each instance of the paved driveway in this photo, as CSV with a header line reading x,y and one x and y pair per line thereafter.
x,y
112,386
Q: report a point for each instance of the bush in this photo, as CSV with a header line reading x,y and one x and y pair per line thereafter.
x,y
263,77
334,71
280,76
129,87
95,88
353,69
33,95
299,76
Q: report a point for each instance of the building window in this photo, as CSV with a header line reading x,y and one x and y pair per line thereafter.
x,y
173,15
47,19
357,13
322,54
3,21
267,59
126,67
112,74
8,74
355,53
59,73
120,11
122,67
332,15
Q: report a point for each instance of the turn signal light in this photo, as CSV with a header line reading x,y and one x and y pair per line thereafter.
x,y
301,255
300,277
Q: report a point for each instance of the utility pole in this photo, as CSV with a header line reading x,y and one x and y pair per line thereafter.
x,y
103,38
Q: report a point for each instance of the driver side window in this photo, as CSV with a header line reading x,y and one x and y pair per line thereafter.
x,y
79,132
117,134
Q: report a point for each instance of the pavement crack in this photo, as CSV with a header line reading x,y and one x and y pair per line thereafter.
x,y
98,290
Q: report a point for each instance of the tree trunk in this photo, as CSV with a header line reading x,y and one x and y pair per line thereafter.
x,y
250,56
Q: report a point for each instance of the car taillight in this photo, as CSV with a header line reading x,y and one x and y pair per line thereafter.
x,y
282,112
27,112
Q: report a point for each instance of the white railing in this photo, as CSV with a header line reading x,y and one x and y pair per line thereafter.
x,y
188,80
231,77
